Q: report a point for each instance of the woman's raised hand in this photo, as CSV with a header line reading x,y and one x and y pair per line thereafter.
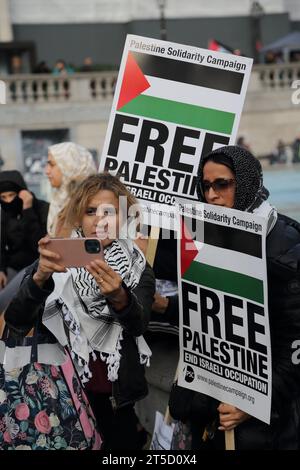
x,y
48,263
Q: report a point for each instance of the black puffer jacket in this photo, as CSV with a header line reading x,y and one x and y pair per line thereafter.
x,y
25,311
22,229
283,265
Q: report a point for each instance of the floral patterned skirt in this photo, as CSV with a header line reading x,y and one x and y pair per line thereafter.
x,y
43,407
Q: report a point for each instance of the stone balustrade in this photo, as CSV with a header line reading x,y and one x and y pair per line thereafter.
x,y
46,88
274,76
81,103
92,86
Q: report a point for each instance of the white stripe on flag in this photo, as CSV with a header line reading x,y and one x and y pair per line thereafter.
x,y
230,260
192,94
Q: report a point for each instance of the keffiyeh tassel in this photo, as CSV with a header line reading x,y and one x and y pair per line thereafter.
x,y
112,360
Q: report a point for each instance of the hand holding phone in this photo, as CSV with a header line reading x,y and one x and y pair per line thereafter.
x,y
57,254
76,252
49,263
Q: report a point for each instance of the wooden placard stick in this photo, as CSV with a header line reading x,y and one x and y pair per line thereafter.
x,y
152,245
229,440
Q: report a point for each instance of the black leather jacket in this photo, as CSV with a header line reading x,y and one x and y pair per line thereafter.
x,y
25,312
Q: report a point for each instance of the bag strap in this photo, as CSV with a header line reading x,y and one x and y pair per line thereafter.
x,y
34,347
33,333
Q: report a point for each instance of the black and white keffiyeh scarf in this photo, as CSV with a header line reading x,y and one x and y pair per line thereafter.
x,y
79,316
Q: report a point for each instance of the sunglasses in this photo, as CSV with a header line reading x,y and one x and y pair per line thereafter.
x,y
219,185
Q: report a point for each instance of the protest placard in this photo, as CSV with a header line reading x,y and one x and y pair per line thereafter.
x,y
225,349
172,104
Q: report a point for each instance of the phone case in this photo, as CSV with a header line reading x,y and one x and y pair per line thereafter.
x,y
73,251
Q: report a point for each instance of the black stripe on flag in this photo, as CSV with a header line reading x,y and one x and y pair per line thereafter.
x,y
193,74
226,237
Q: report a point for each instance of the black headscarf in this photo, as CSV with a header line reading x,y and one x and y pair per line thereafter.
x,y
250,191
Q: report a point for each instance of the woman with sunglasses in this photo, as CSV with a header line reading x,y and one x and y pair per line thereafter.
x,y
232,177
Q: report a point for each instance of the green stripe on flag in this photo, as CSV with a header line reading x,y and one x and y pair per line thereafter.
x,y
180,113
226,281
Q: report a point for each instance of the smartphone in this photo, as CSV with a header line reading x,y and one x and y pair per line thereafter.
x,y
76,252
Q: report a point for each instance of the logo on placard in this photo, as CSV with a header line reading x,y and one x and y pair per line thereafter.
x,y
189,374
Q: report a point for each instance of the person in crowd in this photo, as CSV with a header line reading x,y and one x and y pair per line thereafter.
x,y
281,152
88,65
68,164
42,403
62,69
242,189
16,65
270,58
42,67
295,56
241,142
98,312
296,150
23,223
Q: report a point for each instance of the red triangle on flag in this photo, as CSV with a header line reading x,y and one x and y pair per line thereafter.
x,y
188,249
134,82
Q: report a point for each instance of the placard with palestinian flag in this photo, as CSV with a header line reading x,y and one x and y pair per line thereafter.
x,y
172,104
225,349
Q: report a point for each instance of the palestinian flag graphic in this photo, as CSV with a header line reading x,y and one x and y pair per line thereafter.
x,y
183,93
224,258
215,45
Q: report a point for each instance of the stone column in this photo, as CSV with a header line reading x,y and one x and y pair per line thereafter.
x,y
6,32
